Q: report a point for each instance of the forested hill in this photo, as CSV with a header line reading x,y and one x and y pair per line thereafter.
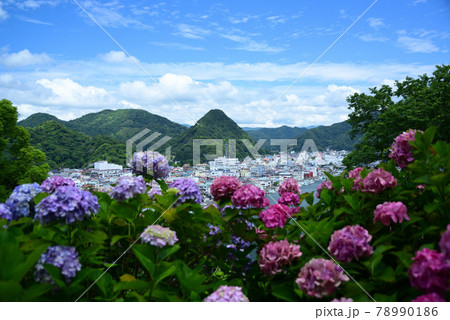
x,y
283,132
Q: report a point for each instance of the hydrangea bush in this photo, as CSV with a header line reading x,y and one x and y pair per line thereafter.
x,y
374,234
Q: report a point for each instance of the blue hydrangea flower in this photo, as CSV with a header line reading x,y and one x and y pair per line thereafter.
x,y
128,187
150,162
5,213
158,236
52,183
19,200
65,258
66,203
188,190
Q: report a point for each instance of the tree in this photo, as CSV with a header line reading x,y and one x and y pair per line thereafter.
x,y
19,162
384,113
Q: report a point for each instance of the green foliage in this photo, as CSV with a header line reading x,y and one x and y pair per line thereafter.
x,y
283,132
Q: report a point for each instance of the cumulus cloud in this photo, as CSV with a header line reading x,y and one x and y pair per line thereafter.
x,y
417,45
375,23
117,57
23,58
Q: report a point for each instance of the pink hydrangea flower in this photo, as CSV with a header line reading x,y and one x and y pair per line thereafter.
x,y
356,174
266,202
342,299
401,150
421,187
289,185
350,242
390,211
248,196
227,294
274,255
327,184
320,277
275,215
430,297
223,187
378,180
429,271
444,243
289,199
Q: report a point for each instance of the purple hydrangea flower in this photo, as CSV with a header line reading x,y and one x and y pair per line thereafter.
x,y
429,271
223,187
19,200
65,258
429,297
150,162
378,180
444,244
67,203
155,189
188,190
128,187
320,277
356,174
239,243
289,199
52,183
213,230
275,216
5,213
275,255
390,211
401,150
227,294
327,184
249,196
350,242
158,236
342,299
289,185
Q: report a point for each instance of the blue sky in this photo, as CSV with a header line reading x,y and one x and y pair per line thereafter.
x,y
192,56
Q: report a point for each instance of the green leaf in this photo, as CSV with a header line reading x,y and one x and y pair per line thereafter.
x,y
32,259
55,273
441,179
428,136
105,284
387,275
404,257
353,201
164,269
145,257
117,238
34,292
284,292
131,285
10,291
168,251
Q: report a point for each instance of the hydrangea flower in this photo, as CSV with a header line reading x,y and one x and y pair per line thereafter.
x,y
19,200
227,294
342,299
429,297
289,199
67,203
239,243
5,213
249,196
356,174
401,150
150,162
378,180
52,183
429,271
275,216
444,243
390,211
158,236
266,203
320,277
275,255
128,187
327,184
289,185
350,242
223,187
155,189
65,258
188,190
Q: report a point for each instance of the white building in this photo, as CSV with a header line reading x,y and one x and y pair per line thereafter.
x,y
104,165
224,164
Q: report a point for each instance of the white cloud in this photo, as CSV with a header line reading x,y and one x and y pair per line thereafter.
x,y
191,32
3,13
249,44
36,21
176,45
417,45
117,57
375,23
371,38
23,58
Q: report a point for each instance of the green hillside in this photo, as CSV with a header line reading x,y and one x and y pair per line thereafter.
x,y
37,118
283,132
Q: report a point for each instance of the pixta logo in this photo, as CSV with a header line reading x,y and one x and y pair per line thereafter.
x,y
144,141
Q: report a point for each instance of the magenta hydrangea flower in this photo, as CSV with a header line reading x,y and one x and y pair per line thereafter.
x,y
342,299
65,258
275,215
350,242
429,271
444,244
289,185
52,183
159,236
128,187
248,196
356,174
67,203
150,162
429,297
187,190
223,187
390,211
401,150
289,199
327,184
378,180
227,294
266,203
320,277
275,255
